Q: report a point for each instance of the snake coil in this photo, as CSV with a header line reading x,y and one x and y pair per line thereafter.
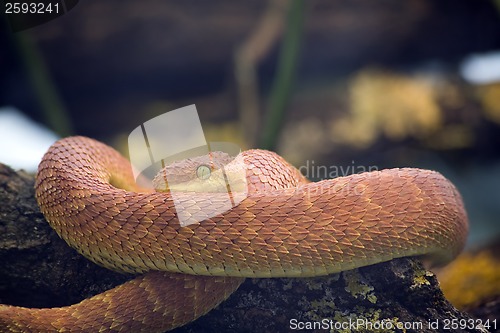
x,y
286,227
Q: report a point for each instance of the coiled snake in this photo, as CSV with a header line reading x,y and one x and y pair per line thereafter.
x,y
286,227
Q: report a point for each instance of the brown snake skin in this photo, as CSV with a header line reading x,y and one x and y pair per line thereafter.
x,y
285,227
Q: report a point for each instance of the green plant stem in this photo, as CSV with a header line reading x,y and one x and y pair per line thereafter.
x,y
48,98
285,75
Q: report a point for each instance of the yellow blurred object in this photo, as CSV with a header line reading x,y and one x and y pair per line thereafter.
x,y
470,278
225,132
391,104
451,136
489,95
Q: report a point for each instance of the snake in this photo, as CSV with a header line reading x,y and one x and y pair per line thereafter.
x,y
286,226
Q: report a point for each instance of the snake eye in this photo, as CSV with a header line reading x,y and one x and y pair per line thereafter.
x,y
203,172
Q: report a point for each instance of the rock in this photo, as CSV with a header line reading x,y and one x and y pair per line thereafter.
x,y
38,268
397,296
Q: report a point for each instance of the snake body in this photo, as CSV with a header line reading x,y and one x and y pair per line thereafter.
x,y
286,227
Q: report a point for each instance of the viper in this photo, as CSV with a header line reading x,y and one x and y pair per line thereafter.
x,y
285,226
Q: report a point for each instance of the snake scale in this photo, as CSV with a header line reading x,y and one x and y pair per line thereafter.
x,y
286,227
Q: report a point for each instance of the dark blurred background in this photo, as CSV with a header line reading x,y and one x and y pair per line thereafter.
x,y
385,83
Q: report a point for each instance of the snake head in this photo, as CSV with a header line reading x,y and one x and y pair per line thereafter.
x,y
214,172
